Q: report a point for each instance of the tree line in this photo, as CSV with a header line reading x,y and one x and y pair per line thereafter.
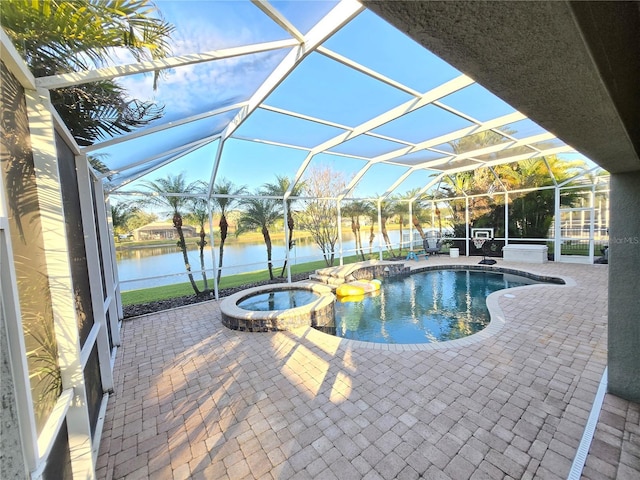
x,y
308,202
311,205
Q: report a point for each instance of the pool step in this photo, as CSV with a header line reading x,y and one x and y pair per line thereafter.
x,y
330,280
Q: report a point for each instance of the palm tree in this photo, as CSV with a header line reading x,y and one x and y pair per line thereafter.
x,y
62,37
372,213
355,210
260,213
531,214
479,140
173,192
121,213
454,186
278,189
527,173
387,210
402,207
199,214
227,198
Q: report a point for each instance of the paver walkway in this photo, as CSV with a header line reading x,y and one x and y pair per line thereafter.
x,y
196,400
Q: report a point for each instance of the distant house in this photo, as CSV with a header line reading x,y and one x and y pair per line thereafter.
x,y
159,231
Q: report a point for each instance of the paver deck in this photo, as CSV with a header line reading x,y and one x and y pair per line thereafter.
x,y
196,400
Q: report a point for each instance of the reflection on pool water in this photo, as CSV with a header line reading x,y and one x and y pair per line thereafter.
x,y
278,300
427,307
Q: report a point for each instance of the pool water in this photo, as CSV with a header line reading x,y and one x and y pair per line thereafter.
x,y
278,300
427,307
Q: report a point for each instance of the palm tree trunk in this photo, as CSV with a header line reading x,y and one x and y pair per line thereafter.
x,y
291,224
385,236
359,239
354,229
177,223
372,237
220,256
267,241
224,228
416,224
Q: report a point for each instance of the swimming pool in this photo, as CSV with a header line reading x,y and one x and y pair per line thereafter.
x,y
425,307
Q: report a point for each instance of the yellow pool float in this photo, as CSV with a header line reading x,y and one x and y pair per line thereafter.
x,y
358,287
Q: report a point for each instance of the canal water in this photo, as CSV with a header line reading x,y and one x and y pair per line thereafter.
x,y
137,267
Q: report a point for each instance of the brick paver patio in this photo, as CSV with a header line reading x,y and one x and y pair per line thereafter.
x,y
196,400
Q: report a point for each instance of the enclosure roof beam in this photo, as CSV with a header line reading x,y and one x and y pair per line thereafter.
x,y
278,18
525,142
396,112
15,63
108,73
165,126
272,142
449,137
354,181
63,131
339,16
193,145
553,177
155,167
390,139
457,113
429,97
452,157
301,169
483,127
304,117
367,71
429,185
581,174
400,179
514,158
498,179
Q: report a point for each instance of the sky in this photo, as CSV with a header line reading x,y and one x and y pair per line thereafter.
x,y
319,87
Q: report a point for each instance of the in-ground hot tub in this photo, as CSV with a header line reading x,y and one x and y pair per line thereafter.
x,y
318,312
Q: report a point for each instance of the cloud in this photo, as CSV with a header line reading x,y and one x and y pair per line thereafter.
x,y
197,88
203,27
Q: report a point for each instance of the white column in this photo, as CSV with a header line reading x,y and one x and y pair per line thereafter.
x,y
592,200
380,239
111,304
466,222
338,202
506,218
114,262
61,286
287,233
214,261
557,244
10,309
94,267
411,225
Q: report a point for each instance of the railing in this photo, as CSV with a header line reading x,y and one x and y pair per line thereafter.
x,y
575,245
